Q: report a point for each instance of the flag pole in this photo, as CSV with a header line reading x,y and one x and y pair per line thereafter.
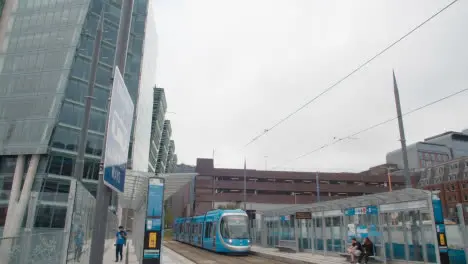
x,y
245,184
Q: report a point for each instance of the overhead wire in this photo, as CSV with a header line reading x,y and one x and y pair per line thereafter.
x,y
372,127
349,74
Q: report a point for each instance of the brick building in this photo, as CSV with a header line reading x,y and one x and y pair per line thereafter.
x,y
451,179
266,190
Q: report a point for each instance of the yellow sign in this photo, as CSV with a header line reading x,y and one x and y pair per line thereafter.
x,y
442,239
152,240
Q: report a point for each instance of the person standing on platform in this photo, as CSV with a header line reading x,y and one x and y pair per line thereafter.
x,y
121,240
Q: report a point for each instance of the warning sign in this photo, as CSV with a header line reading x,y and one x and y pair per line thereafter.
x,y
153,238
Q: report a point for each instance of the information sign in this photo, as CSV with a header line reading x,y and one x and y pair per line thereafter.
x,y
154,227
303,215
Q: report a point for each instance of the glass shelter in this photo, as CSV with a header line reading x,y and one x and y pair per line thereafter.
x,y
400,225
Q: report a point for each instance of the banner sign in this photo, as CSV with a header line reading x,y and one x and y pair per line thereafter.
x,y
303,215
119,127
369,210
154,227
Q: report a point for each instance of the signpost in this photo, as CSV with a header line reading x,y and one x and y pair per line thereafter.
x,y
440,229
154,227
119,128
303,215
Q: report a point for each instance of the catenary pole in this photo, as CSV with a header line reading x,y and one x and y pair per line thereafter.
x,y
103,192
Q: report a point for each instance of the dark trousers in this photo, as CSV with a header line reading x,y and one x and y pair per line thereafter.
x,y
118,252
364,256
78,251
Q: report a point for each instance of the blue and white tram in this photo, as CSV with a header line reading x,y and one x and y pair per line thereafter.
x,y
222,231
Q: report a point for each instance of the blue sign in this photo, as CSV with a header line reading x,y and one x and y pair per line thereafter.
x,y
374,231
154,228
438,212
119,128
349,212
155,200
370,210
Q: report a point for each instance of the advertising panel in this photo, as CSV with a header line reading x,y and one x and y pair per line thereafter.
x,y
119,128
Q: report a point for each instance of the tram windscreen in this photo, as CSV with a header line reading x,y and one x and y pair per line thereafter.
x,y
235,227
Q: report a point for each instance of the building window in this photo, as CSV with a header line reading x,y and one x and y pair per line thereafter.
x,y
65,138
454,166
437,180
7,164
440,171
452,177
50,216
465,175
465,197
452,187
60,165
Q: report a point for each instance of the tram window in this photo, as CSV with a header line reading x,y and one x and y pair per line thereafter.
x,y
213,231
208,229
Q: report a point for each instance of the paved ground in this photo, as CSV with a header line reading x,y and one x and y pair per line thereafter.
x,y
169,256
201,256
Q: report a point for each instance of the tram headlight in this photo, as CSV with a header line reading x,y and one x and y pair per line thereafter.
x,y
230,241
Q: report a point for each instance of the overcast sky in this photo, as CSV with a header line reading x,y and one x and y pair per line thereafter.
x,y
234,68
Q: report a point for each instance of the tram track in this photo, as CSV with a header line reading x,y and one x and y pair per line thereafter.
x,y
202,256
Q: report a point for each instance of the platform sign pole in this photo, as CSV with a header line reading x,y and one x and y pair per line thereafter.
x,y
440,229
154,222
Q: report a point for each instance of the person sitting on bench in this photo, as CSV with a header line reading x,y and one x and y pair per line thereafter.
x,y
355,250
368,250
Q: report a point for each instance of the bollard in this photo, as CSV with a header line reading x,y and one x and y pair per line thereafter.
x,y
126,254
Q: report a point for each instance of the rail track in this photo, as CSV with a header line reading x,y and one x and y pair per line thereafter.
x,y
201,256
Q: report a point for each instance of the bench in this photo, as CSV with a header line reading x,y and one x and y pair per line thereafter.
x,y
371,258
287,246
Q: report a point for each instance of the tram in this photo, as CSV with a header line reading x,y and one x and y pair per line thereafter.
x,y
221,231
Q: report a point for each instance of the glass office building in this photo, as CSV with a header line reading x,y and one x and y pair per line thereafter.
x,y
157,123
44,71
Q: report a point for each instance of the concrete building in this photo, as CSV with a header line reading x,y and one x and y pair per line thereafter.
x,y
451,179
266,190
44,75
164,147
157,124
432,151
184,168
170,157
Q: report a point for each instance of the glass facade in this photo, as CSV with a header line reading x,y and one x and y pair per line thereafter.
x,y
39,45
64,146
164,147
45,71
157,124
146,100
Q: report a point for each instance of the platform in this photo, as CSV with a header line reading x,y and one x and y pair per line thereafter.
x,y
169,256
274,254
